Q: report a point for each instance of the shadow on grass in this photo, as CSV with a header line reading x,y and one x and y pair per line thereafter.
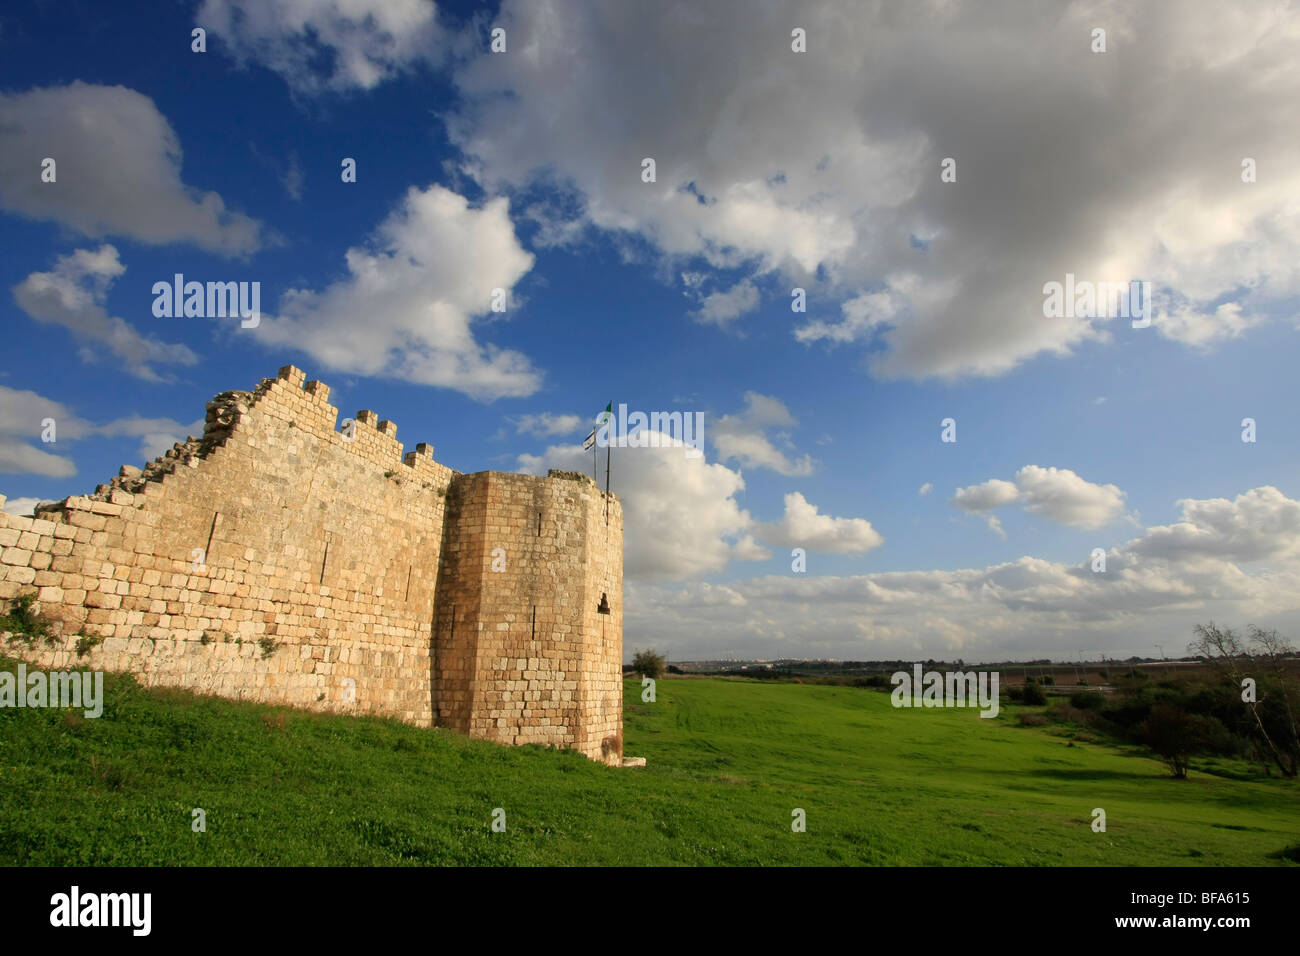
x,y
1291,854
1090,775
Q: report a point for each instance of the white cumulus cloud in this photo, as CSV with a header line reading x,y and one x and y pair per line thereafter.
x,y
74,293
1226,559
803,526
1055,493
743,437
821,169
720,308
406,306
156,435
21,506
23,426
118,170
23,418
546,424
319,45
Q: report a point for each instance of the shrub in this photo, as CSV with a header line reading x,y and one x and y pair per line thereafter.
x,y
1087,700
24,622
874,680
1033,694
649,663
85,644
1067,713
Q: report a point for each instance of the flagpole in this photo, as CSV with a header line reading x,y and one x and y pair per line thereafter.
x,y
607,420
608,453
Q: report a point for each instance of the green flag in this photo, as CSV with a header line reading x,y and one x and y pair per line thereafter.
x,y
591,439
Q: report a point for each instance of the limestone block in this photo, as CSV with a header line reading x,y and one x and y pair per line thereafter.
x,y
21,575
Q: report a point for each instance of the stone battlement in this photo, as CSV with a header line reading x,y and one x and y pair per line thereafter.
x,y
284,559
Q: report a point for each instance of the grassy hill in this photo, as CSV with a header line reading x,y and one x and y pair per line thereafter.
x,y
728,761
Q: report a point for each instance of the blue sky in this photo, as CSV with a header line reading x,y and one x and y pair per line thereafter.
x,y
776,169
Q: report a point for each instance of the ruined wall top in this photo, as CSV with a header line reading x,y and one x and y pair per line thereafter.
x,y
305,405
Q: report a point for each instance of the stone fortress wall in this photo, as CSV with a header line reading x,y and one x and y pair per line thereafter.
x,y
276,560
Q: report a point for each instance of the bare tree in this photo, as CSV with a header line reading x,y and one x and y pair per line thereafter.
x,y
1275,650
1263,658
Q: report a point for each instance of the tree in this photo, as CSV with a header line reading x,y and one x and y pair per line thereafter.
x,y
1175,735
649,663
1034,694
1263,659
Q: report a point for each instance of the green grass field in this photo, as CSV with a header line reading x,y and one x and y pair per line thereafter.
x,y
728,762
